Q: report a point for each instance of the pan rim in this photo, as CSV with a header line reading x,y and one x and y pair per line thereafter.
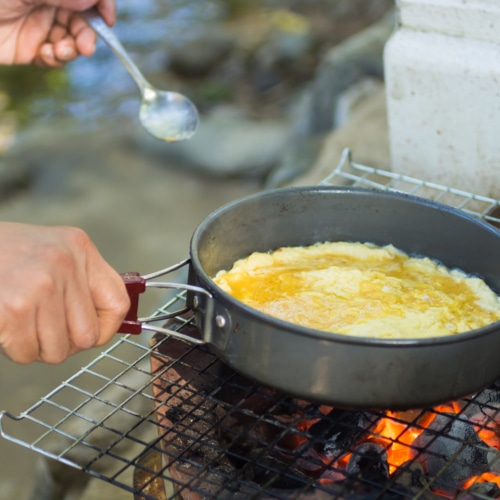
x,y
224,297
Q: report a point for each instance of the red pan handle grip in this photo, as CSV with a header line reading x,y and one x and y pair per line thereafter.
x,y
135,285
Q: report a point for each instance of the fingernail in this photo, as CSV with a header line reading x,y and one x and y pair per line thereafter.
x,y
66,53
47,51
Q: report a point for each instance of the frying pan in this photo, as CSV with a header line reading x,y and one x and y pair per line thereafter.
x,y
326,367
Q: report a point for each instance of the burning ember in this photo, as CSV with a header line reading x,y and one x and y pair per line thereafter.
x,y
223,437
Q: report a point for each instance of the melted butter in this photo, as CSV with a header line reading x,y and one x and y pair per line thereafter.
x,y
362,290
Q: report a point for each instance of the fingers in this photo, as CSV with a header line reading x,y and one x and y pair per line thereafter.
x,y
50,32
84,36
18,339
56,55
60,296
96,299
70,36
109,296
34,320
107,10
54,346
111,302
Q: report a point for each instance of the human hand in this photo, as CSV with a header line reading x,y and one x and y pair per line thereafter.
x,y
48,32
57,295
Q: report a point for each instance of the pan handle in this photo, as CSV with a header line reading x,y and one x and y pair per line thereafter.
x,y
137,284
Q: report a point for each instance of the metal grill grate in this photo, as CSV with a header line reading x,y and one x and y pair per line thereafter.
x,y
188,423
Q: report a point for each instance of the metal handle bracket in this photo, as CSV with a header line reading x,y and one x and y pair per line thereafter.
x,y
135,285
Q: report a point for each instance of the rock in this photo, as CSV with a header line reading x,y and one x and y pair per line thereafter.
x,y
199,56
15,177
287,38
350,73
360,56
365,133
298,157
227,144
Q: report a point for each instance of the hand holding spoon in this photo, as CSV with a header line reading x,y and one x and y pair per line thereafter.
x,y
169,116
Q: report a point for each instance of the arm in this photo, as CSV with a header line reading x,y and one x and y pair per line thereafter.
x,y
57,294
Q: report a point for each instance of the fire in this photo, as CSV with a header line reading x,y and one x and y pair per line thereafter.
x,y
490,435
488,427
293,441
487,477
396,432
398,436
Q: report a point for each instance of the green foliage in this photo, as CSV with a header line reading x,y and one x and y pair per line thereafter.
x,y
24,85
214,90
236,8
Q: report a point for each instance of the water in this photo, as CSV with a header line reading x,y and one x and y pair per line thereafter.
x,y
99,88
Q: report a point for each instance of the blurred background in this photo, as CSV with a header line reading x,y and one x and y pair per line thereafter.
x,y
269,90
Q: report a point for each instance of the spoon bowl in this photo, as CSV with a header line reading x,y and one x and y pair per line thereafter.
x,y
169,116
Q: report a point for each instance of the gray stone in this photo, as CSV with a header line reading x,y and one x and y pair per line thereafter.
x,y
199,56
365,133
227,144
349,73
358,57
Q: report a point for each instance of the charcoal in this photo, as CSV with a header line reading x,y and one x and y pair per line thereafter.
x,y
451,451
332,475
353,488
368,476
175,414
487,398
409,474
339,431
234,440
369,461
309,460
487,424
480,490
494,460
241,391
274,473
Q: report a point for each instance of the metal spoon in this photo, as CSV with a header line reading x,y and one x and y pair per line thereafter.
x,y
169,116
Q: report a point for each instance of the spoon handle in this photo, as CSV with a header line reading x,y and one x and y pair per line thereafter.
x,y
105,32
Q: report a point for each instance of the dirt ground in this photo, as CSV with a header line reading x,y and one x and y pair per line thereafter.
x,y
140,214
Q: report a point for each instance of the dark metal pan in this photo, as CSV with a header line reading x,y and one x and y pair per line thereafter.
x,y
331,368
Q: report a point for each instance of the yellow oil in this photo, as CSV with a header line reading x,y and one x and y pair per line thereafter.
x,y
362,290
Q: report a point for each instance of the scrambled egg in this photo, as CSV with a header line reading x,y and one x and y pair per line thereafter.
x,y
361,290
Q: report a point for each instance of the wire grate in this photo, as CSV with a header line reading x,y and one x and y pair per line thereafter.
x,y
137,401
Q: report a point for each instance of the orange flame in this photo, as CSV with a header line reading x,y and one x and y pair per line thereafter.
x,y
490,437
397,435
486,477
397,432
487,427
397,438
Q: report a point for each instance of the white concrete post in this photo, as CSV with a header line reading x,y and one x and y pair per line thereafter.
x,y
442,71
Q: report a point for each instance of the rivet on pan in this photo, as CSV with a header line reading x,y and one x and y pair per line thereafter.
x,y
196,302
220,321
